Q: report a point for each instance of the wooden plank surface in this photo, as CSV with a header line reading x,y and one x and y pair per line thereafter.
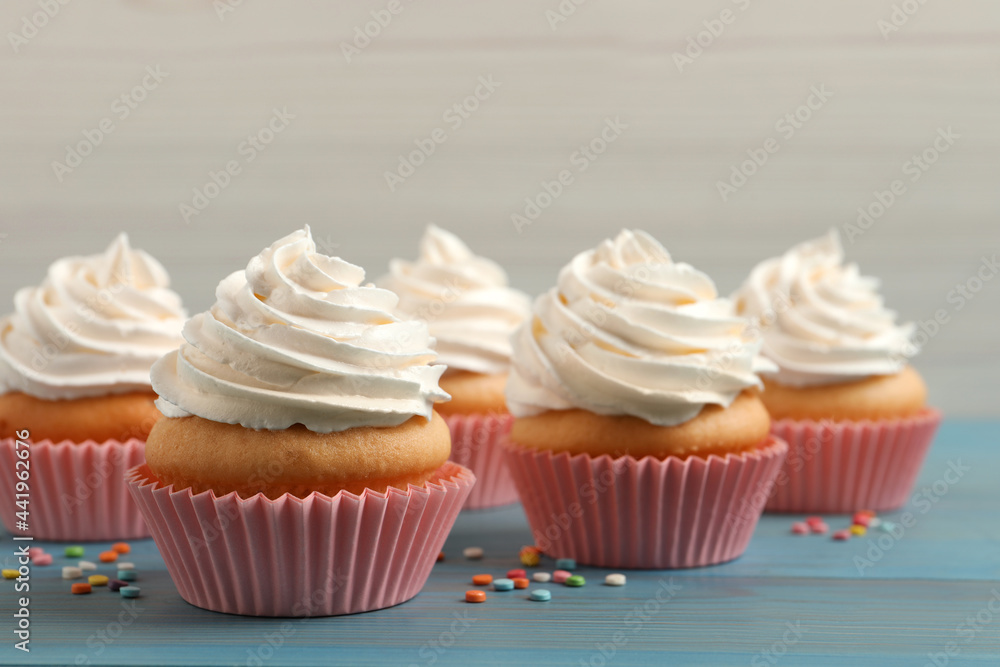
x,y
923,593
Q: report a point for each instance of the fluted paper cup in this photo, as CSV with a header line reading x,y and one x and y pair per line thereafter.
x,y
317,556
843,467
77,491
476,443
644,513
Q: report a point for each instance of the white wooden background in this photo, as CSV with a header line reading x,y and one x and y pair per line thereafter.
x,y
609,59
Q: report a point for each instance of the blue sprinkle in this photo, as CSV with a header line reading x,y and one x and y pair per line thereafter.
x,y
130,591
565,564
503,584
887,526
127,575
540,595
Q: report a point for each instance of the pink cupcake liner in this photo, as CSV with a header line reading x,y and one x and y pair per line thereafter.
x,y
317,556
77,490
644,513
476,444
843,467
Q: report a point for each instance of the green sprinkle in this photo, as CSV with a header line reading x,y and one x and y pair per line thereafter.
x,y
74,552
576,581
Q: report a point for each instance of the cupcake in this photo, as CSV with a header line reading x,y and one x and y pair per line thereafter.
x,y
843,396
74,383
471,312
639,440
299,445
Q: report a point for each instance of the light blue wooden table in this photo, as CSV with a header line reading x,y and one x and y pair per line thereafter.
x,y
789,600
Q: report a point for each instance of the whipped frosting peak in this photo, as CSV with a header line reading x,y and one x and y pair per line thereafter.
x,y
92,328
627,331
296,338
823,322
465,299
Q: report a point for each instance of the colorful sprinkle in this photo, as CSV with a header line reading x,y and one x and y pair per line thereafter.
x,y
473,553
874,522
129,591
819,528
521,582
470,596
540,595
842,535
114,585
127,575
858,530
861,519
42,560
560,576
814,519
97,580
108,556
74,552
121,548
887,526
614,580
70,572
800,528
126,566
575,581
482,579
565,564
86,566
440,557
9,574
503,585
35,551
531,556
81,589
516,574
867,512
542,577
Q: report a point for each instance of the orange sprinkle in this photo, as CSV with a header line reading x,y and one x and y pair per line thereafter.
x,y
121,548
521,582
475,596
81,589
440,556
482,579
108,556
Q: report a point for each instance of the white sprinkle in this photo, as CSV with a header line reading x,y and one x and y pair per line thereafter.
x,y
542,577
614,580
473,553
87,566
125,566
70,572
874,522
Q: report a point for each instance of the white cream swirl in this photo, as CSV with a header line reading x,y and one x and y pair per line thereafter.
x,y
822,321
92,328
629,332
465,300
297,339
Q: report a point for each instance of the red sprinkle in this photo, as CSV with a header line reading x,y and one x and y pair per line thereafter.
x,y
862,519
819,528
814,520
516,574
42,559
560,576
799,528
440,557
842,535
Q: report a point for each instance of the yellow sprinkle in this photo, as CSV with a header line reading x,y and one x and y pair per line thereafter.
x,y
857,529
97,580
10,574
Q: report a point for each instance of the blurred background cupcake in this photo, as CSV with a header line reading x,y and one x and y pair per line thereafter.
x,y
471,313
300,428
853,411
74,375
639,439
